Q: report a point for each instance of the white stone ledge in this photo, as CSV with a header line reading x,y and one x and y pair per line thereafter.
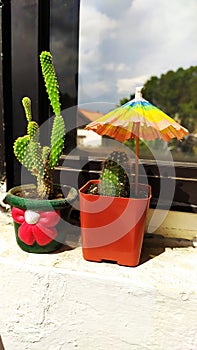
x,y
172,223
62,302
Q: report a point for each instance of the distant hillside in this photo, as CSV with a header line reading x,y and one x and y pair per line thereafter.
x,y
175,93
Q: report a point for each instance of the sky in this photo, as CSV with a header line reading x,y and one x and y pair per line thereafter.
x,y
125,42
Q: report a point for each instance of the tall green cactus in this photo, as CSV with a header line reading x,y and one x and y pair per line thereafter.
x,y
41,160
114,177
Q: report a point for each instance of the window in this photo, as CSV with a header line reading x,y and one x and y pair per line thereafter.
x,y
120,47
125,46
136,43
28,27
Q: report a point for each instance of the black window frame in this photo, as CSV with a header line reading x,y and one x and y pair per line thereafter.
x,y
185,198
21,60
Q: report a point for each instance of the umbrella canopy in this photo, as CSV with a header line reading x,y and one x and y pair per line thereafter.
x,y
138,119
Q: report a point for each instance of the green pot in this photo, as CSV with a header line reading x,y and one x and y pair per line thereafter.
x,y
39,207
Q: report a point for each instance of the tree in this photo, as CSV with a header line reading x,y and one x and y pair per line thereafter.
x,y
175,93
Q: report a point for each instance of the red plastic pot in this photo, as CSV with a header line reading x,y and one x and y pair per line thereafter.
x,y
112,228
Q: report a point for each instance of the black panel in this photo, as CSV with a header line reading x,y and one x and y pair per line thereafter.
x,y
64,42
20,65
7,88
27,27
43,44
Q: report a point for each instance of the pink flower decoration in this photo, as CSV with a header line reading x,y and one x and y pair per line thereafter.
x,y
36,226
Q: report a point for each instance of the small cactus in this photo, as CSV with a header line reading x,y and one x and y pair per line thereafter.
x,y
41,160
115,176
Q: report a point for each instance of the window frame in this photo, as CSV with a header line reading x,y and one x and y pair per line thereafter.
x,y
13,90
186,173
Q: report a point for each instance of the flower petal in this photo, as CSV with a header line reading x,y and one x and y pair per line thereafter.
x,y
49,218
43,235
18,215
25,233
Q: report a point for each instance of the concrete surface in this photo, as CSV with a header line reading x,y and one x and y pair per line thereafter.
x,y
62,302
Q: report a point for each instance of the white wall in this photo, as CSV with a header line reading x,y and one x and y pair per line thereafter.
x,y
60,301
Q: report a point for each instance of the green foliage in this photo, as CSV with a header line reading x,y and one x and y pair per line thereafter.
x,y
32,129
26,102
45,153
125,100
41,160
20,150
175,94
50,81
114,177
57,141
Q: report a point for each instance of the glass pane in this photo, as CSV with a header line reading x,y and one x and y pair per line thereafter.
x,y
64,47
2,156
64,24
124,44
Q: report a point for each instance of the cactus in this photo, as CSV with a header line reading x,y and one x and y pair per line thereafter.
x,y
114,177
41,160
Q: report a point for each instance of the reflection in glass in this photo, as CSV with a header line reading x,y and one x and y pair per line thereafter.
x,y
64,47
128,45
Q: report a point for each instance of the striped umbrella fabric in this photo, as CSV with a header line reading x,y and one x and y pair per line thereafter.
x,y
138,119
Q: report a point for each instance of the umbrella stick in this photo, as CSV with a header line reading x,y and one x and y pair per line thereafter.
x,y
136,163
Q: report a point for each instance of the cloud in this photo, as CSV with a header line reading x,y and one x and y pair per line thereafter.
x,y
93,27
112,8
112,66
125,85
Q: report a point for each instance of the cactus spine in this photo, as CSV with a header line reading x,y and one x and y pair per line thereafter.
x,y
114,177
41,160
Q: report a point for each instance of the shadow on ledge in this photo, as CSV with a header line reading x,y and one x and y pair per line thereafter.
x,y
155,245
73,232
1,345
